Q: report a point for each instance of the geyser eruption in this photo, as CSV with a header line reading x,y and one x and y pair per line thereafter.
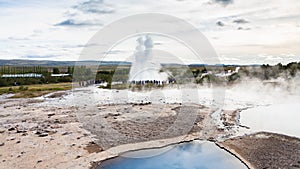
x,y
145,68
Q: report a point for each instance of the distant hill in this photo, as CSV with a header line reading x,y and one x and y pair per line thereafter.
x,y
20,62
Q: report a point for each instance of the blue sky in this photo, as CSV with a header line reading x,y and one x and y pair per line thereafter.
x,y
241,31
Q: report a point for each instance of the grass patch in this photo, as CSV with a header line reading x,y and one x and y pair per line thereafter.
x,y
30,91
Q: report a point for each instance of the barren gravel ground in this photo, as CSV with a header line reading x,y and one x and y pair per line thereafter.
x,y
266,150
47,133
36,134
132,123
42,137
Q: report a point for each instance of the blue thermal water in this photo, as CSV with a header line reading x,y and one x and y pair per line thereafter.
x,y
193,155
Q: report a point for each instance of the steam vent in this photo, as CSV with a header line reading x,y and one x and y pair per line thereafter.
x,y
145,68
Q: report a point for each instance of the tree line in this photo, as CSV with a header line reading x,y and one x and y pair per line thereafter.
x,y
84,74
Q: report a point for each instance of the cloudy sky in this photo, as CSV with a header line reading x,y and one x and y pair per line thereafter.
x,y
241,31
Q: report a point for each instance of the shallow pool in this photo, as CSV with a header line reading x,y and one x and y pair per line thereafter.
x,y
278,118
192,155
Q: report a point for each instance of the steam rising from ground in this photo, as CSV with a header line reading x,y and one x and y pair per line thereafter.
x,y
271,105
281,87
266,102
145,66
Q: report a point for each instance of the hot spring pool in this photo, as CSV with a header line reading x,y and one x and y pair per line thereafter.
x,y
192,155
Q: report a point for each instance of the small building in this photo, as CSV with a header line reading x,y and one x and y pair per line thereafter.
x,y
27,75
60,75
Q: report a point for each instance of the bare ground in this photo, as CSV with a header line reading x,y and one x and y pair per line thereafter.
x,y
265,150
34,135
42,137
115,125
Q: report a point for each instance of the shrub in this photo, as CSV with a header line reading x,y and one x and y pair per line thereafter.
x,y
22,88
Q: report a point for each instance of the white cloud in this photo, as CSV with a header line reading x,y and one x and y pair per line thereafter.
x,y
59,29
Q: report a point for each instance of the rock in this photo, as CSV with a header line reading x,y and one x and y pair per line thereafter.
x,y
66,133
56,121
1,144
43,134
39,161
11,129
51,114
10,138
50,131
211,139
38,132
21,131
2,130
